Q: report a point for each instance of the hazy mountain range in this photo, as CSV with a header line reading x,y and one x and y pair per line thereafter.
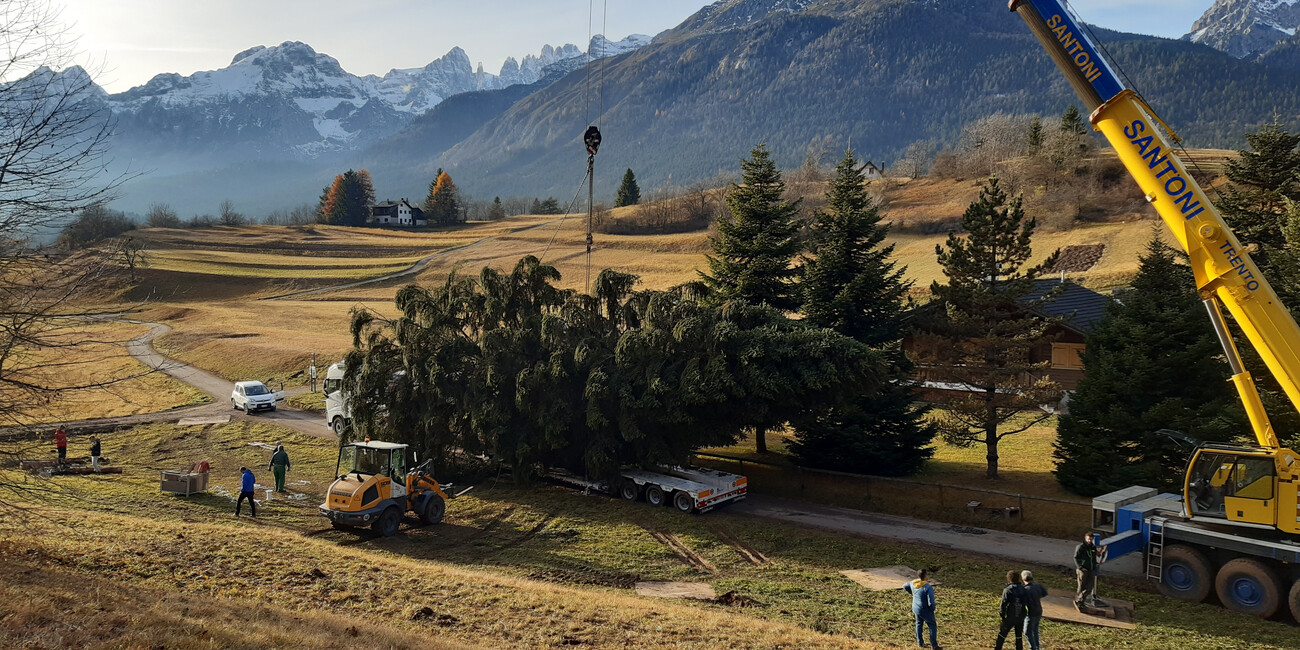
x,y
271,129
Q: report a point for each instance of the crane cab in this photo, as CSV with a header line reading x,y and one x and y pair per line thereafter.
x,y
1243,485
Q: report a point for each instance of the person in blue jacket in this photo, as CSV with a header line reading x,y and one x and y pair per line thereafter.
x,y
923,608
248,482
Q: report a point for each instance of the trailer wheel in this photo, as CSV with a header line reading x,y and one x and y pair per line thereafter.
x,y
655,496
683,502
1186,574
433,510
1293,600
630,490
1249,586
387,522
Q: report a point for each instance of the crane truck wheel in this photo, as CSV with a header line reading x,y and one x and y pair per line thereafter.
x,y
1293,600
387,522
338,425
433,510
683,502
1249,586
1186,575
654,496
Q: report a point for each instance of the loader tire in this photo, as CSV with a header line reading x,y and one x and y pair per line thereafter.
x,y
1187,575
433,510
1249,586
387,522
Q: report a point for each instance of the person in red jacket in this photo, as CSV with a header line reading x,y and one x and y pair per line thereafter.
x,y
61,444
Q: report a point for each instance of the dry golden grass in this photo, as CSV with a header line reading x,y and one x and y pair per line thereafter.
x,y
259,339
127,386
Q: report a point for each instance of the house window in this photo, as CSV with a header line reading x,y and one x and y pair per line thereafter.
x,y
1067,356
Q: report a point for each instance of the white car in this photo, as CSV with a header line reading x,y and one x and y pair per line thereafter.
x,y
252,396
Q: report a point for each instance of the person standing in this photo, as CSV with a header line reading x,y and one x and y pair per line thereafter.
x,y
94,453
247,483
61,444
279,465
1012,612
1034,594
923,608
1085,568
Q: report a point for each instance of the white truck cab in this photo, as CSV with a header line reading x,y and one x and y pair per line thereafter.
x,y
338,412
253,396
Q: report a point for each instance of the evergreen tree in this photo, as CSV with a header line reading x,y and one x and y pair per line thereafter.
x,y
1035,138
550,206
1072,123
758,239
536,207
628,192
348,201
442,205
852,285
979,332
1153,362
497,212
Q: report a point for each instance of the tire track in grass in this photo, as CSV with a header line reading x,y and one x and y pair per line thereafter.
x,y
749,553
681,550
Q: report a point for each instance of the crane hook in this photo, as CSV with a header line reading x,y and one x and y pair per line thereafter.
x,y
592,139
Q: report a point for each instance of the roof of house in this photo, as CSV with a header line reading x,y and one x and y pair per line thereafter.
x,y
1081,307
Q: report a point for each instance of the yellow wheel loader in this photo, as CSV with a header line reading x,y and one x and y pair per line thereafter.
x,y
374,488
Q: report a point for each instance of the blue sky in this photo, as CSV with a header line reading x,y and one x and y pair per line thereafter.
x,y
132,40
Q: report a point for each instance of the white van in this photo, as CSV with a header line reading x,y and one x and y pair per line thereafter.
x,y
338,412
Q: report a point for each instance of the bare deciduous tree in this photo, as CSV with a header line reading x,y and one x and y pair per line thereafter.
x,y
54,131
229,217
129,252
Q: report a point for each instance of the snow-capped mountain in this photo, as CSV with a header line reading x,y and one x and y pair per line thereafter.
x,y
1246,28
289,101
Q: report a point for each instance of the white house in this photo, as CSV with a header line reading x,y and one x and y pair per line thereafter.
x,y
401,213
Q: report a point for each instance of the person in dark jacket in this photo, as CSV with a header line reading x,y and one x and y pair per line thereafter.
x,y
94,453
1034,594
247,483
279,465
923,608
1085,569
1012,611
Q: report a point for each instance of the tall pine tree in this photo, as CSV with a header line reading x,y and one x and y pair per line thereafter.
x,y
442,205
979,333
628,192
752,258
852,285
1153,362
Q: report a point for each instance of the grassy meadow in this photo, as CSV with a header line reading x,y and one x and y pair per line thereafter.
x,y
538,566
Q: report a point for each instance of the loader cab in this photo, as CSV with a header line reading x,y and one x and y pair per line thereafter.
x,y
1238,484
384,461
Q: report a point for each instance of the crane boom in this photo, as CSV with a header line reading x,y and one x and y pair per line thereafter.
x,y
1225,274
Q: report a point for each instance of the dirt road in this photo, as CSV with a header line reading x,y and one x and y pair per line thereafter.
x,y
1040,551
141,348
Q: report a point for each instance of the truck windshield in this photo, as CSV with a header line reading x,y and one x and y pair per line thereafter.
x,y
256,389
362,460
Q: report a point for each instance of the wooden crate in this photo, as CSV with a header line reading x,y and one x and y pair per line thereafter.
x,y
183,482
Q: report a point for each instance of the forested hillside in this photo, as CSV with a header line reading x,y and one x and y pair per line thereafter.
x,y
881,73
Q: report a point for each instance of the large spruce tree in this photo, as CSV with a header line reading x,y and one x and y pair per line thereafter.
x,y
851,284
753,254
628,192
1152,363
977,336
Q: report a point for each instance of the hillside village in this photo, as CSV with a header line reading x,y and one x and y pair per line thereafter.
x,y
994,369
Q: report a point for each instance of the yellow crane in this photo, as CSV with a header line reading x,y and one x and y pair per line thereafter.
x,y
1236,499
